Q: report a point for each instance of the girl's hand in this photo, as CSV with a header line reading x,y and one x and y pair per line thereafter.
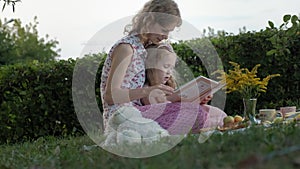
x,y
167,90
158,94
206,99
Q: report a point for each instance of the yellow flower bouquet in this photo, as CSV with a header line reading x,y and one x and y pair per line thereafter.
x,y
244,81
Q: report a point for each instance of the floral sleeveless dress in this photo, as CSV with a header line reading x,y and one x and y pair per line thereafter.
x,y
177,118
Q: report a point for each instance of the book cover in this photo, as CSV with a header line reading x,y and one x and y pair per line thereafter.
x,y
198,88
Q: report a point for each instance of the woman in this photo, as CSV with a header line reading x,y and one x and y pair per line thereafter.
x,y
123,73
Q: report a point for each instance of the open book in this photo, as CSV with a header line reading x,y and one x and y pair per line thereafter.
x,y
198,88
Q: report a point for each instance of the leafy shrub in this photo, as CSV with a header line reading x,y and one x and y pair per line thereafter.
x,y
36,100
276,49
21,44
86,91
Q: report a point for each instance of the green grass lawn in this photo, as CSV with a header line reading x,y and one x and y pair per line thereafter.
x,y
255,147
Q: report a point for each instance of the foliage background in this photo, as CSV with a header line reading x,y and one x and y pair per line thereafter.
x,y
20,44
276,49
36,89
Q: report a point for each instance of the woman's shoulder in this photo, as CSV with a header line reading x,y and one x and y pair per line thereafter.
x,y
130,39
124,49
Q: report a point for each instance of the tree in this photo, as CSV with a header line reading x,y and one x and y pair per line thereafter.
x,y
22,43
10,2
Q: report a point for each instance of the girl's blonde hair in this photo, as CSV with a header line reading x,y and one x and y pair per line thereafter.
x,y
163,12
154,55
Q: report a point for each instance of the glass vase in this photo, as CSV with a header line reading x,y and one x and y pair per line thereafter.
x,y
250,110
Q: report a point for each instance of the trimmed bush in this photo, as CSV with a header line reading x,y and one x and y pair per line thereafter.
x,y
36,100
276,49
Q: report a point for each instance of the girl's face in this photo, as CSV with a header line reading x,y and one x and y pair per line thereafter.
x,y
165,66
158,33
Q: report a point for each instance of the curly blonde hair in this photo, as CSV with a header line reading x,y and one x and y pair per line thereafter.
x,y
163,12
154,55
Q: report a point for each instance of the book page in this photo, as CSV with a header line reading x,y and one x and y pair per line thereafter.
x,y
197,89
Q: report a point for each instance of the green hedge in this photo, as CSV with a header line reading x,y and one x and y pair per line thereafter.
x,y
249,49
276,49
36,98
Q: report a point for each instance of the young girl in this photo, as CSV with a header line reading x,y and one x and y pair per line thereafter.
x,y
159,63
123,73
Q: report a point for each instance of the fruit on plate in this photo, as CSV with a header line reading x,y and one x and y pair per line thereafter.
x,y
228,121
244,124
238,118
231,125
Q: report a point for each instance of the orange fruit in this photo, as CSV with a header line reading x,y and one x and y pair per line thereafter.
x,y
238,118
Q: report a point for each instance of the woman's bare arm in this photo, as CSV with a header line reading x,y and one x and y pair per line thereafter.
x,y
121,58
174,98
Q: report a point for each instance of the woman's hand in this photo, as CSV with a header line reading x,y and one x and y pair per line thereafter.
x,y
174,98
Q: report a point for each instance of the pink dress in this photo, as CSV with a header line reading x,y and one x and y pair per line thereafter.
x,y
177,118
